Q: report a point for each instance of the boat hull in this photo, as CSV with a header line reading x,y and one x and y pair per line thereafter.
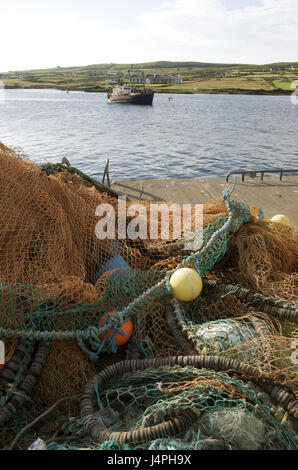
x,y
140,98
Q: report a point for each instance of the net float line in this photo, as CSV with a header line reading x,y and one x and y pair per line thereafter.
x,y
278,393
19,366
274,307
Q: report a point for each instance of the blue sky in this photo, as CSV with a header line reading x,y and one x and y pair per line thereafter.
x,y
48,33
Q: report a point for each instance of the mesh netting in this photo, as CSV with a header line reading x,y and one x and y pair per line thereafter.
x,y
58,281
54,271
266,259
65,373
229,413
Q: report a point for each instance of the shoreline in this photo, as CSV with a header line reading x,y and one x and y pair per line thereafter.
x,y
276,92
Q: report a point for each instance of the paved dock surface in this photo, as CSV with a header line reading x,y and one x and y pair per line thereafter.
x,y
271,195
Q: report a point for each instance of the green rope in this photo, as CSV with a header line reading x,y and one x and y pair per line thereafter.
x,y
231,292
111,445
161,289
52,168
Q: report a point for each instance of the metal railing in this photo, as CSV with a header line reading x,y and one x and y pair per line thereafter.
x,y
254,173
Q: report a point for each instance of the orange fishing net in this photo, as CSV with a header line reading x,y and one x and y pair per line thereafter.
x,y
66,372
48,235
49,247
266,259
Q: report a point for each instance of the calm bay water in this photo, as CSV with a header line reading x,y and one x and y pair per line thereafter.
x,y
189,136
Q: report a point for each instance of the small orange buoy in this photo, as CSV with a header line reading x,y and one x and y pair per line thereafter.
x,y
120,340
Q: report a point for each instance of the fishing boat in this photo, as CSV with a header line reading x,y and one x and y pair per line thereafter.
x,y
129,95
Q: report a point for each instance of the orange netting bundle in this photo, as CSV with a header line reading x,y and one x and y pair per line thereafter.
x,y
66,372
49,248
266,259
57,275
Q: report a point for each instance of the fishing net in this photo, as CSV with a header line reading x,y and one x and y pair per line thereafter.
x,y
66,371
47,427
19,377
57,277
137,402
58,281
265,259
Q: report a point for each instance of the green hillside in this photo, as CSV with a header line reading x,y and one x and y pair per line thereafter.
x,y
198,77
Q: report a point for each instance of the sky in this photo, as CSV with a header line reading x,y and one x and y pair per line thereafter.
x,y
42,34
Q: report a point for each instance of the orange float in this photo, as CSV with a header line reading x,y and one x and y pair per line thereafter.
x,y
120,340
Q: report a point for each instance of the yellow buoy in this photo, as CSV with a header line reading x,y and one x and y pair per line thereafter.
x,y
281,219
186,284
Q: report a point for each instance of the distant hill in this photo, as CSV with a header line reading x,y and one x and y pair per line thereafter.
x,y
198,77
158,65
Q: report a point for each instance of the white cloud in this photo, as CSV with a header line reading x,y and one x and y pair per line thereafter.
x,y
260,31
207,31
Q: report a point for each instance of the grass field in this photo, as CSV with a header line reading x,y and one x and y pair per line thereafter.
x,y
197,77
223,84
284,85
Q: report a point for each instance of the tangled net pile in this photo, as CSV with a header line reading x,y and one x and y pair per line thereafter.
x,y
214,373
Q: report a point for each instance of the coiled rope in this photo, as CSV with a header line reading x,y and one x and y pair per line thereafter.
x,y
169,428
29,378
274,307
